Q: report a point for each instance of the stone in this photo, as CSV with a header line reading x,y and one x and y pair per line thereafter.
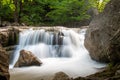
x,y
117,72
58,38
15,24
13,35
81,78
100,32
9,36
4,38
26,58
61,76
5,23
4,65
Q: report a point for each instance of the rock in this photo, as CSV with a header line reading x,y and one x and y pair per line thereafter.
x,y
93,12
114,47
117,72
81,78
58,38
109,73
5,23
15,24
9,36
102,28
13,35
9,48
61,76
4,65
27,59
4,38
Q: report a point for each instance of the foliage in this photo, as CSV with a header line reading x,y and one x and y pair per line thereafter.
x,y
6,9
30,14
69,11
99,4
33,12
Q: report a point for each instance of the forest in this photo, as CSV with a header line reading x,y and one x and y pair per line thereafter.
x,y
47,12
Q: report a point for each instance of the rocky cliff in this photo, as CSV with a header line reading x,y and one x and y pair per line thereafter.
x,y
103,35
4,65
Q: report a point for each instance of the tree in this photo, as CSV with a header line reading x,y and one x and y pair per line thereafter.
x,y
69,11
16,12
6,10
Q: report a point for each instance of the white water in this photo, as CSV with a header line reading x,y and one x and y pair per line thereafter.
x,y
69,56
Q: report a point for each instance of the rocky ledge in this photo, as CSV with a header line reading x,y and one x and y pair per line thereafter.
x,y
8,36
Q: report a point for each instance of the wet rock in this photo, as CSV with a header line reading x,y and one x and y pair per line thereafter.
x,y
58,38
81,78
9,48
4,65
26,58
5,23
9,36
102,28
13,35
15,24
61,76
117,72
4,38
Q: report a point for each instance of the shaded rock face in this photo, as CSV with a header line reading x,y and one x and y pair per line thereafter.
x,y
3,38
61,76
9,37
13,36
100,32
27,59
4,65
58,38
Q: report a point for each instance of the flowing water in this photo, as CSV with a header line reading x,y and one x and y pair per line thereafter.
x,y
59,51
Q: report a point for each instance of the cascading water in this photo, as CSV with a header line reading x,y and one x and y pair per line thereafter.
x,y
59,51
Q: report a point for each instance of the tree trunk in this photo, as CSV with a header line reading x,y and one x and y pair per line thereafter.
x,y
16,12
21,7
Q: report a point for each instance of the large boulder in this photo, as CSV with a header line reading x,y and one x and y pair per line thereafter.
x,y
26,58
101,31
4,65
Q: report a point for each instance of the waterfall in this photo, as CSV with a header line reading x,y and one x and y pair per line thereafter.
x,y
44,44
64,47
